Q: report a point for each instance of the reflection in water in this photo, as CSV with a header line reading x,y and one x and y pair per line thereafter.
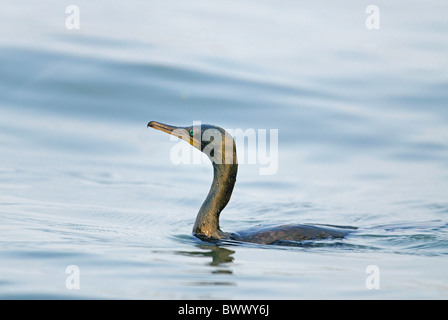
x,y
220,257
218,254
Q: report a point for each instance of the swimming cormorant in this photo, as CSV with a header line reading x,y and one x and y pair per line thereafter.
x,y
220,148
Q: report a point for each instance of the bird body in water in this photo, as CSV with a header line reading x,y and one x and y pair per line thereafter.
x,y
220,148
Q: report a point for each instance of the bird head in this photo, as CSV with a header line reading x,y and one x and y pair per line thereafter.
x,y
212,140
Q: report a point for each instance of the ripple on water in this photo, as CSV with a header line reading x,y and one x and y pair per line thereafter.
x,y
83,182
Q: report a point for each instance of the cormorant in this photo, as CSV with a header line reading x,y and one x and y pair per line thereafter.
x,y
220,148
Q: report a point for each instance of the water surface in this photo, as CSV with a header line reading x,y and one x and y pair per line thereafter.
x,y
362,117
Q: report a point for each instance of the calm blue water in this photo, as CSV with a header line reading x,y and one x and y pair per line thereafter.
x,y
362,117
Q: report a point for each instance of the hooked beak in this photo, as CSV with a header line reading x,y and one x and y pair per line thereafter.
x,y
179,132
161,126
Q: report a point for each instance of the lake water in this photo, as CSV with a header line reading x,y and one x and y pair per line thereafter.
x,y
362,119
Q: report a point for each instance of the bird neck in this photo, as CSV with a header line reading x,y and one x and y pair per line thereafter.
x,y
207,220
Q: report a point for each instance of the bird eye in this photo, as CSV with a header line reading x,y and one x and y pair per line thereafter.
x,y
191,132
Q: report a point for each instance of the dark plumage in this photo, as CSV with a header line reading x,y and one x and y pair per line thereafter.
x,y
220,147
